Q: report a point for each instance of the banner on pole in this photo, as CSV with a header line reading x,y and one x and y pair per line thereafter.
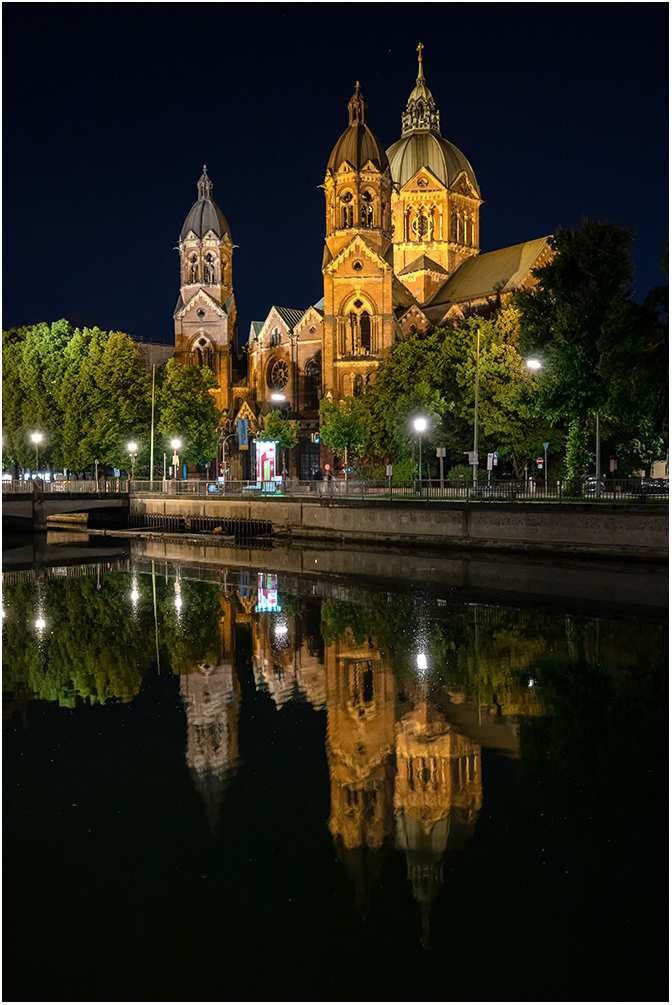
x,y
242,434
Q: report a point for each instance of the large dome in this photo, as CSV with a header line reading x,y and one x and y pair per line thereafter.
x,y
357,145
205,215
428,149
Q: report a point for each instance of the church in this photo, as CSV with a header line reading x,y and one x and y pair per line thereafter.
x,y
401,255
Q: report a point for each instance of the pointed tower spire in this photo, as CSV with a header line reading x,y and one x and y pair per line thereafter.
x,y
421,76
421,112
204,186
356,107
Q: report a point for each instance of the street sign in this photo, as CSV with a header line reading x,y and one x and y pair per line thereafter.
x,y
490,460
473,456
440,451
389,470
545,446
496,455
540,462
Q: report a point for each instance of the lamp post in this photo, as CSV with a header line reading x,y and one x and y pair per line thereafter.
x,y
420,425
36,438
478,356
133,451
175,444
535,364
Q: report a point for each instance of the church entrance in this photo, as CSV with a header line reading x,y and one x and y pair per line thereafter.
x,y
309,454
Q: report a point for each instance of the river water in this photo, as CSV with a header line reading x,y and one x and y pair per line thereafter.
x,y
233,782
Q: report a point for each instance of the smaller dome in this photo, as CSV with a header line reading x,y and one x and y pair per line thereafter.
x,y
427,149
205,215
357,145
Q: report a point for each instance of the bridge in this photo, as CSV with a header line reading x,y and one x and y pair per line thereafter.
x,y
29,504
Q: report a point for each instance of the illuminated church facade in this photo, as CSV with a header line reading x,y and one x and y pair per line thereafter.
x,y
401,255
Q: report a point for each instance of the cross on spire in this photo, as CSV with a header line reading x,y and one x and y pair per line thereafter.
x,y
420,47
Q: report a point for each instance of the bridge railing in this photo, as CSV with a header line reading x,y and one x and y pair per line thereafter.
x,y
51,488
563,490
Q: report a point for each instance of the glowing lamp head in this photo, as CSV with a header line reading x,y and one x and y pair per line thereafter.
x,y
420,425
40,623
132,448
36,437
176,444
277,397
533,364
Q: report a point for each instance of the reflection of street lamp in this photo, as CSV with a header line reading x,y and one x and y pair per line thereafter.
x,y
133,451
420,425
36,438
175,444
421,661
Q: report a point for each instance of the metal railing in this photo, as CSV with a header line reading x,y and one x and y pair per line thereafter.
x,y
564,490
48,488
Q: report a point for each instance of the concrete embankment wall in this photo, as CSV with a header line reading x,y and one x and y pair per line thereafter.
x,y
636,531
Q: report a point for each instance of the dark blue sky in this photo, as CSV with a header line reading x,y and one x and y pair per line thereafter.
x,y
112,109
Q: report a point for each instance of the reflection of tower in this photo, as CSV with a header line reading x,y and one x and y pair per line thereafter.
x,y
211,695
437,797
360,735
285,661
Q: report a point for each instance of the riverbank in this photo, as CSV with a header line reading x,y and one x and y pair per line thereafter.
x,y
601,529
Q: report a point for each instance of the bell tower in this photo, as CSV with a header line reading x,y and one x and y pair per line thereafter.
x,y
205,315
359,323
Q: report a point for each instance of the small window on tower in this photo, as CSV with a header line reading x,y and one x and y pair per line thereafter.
x,y
200,312
357,266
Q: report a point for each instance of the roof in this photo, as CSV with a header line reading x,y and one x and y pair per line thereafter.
x,y
357,145
401,297
256,328
500,271
428,149
423,264
205,215
319,306
289,315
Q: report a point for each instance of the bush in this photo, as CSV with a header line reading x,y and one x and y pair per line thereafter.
x,y
464,472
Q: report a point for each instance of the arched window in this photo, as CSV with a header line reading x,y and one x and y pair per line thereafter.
x,y
312,384
358,385
365,331
193,269
346,209
366,214
275,338
209,270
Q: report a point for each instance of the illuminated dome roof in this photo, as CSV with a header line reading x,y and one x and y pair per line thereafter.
x,y
421,143
205,215
357,145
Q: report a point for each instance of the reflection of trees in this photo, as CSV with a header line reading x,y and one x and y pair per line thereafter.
x,y
94,647
190,632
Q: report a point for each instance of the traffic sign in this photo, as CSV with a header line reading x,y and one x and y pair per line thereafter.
x,y
540,462
490,460
496,455
545,446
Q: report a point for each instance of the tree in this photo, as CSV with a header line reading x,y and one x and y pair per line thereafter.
x,y
187,410
582,301
281,431
343,424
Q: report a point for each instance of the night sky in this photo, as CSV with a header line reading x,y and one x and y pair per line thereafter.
x,y
112,109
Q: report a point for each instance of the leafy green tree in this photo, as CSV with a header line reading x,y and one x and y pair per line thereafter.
x,y
187,410
580,305
343,425
281,431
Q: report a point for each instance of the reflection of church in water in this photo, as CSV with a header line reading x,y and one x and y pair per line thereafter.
x,y
400,772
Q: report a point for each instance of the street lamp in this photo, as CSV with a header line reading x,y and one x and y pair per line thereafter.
x,y
133,451
36,438
175,444
420,425
533,364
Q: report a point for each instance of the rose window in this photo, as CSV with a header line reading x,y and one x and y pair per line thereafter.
x,y
278,375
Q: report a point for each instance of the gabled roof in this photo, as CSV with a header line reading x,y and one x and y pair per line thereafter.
x,y
401,297
423,264
319,306
289,315
500,272
256,327
203,296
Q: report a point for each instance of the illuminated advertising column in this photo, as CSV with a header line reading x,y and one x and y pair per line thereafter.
x,y
265,460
